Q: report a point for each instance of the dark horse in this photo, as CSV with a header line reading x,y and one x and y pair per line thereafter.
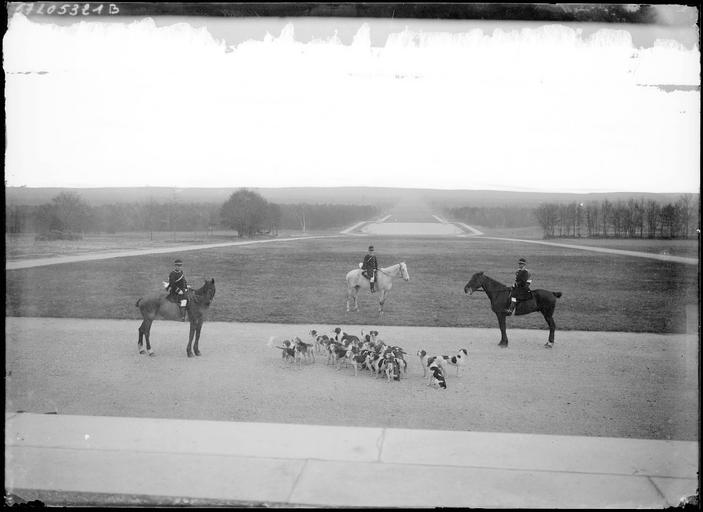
x,y
543,301
160,307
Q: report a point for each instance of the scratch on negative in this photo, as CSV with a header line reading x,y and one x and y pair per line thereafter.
x,y
379,444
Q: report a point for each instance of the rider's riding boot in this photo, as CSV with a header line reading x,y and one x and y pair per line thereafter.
x,y
183,313
511,308
372,287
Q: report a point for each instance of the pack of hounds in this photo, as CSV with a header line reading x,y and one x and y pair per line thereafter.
x,y
369,352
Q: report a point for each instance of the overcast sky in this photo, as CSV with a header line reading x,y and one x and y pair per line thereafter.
x,y
400,103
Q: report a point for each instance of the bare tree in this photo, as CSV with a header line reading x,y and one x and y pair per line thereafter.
x,y
72,212
685,205
592,223
547,215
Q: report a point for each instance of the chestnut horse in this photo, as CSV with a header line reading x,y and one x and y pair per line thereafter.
x,y
159,306
543,301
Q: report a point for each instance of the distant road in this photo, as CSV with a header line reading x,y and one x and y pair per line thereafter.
x,y
637,254
41,262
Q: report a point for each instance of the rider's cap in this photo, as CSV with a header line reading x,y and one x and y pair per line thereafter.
x,y
370,247
522,260
178,263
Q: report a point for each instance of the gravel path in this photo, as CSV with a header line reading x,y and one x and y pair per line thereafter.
x,y
637,254
40,262
590,383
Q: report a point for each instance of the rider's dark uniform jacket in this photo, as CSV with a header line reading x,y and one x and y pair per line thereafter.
x,y
521,289
369,264
176,282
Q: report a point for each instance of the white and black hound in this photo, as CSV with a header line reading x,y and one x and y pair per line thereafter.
x,y
460,360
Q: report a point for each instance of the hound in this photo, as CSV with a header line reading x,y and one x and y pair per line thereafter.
x,y
460,360
436,376
392,368
318,340
426,360
287,351
303,350
357,359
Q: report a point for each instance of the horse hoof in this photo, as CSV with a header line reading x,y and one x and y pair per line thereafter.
x,y
190,354
142,352
548,345
197,352
503,345
151,354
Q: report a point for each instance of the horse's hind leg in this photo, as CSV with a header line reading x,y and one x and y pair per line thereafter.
x,y
147,335
144,330
552,327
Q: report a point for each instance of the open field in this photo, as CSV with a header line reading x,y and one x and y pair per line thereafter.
x,y
592,384
303,282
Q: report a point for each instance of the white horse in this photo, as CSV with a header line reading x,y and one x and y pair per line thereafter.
x,y
384,283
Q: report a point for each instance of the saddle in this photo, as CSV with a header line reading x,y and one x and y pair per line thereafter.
x,y
524,296
189,295
527,305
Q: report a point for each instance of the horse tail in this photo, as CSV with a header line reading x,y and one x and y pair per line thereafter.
x,y
556,294
138,301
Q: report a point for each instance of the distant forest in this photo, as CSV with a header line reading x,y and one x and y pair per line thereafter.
x,y
68,213
249,213
634,218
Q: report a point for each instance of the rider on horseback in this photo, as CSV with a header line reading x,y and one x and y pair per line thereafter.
x,y
369,267
177,288
521,288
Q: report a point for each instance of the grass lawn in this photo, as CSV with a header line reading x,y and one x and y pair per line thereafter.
x,y
303,282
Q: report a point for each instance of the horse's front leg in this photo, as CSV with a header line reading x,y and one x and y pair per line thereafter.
x,y
503,336
381,301
189,352
140,342
197,338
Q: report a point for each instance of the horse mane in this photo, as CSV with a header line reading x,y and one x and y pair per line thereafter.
x,y
201,290
388,269
493,282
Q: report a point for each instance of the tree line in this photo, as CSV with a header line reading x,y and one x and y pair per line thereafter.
x,y
245,211
634,218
